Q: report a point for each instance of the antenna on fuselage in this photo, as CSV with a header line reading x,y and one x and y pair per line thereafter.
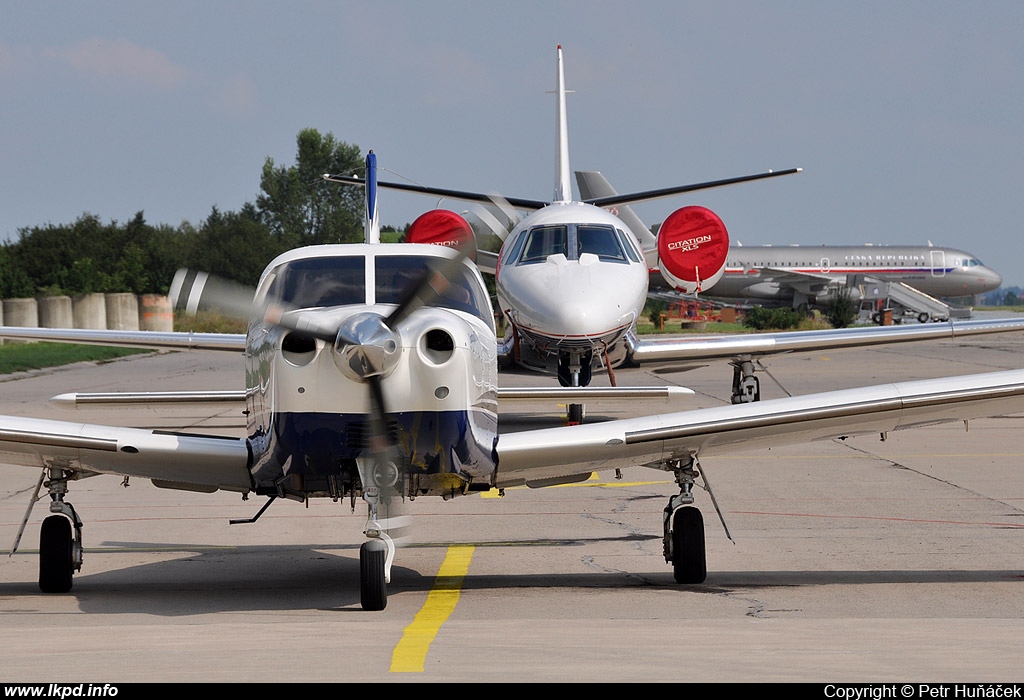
x,y
371,227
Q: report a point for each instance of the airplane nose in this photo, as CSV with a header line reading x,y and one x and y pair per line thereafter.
x,y
366,347
995,279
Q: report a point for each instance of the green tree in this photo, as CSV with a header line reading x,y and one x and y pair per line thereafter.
x,y
235,245
761,318
841,309
299,206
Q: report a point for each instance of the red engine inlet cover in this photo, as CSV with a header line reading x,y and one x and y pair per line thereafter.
x,y
693,246
443,227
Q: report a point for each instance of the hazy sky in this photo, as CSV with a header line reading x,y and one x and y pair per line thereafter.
x,y
906,116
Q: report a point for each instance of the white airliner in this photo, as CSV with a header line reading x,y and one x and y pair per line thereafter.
x,y
371,373
812,275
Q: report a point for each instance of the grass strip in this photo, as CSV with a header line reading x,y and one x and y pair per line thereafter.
x,y
20,357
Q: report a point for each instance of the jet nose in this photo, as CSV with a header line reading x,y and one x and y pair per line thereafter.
x,y
990,279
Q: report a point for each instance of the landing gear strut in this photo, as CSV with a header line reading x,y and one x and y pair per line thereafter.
x,y
60,550
746,388
574,369
376,554
684,530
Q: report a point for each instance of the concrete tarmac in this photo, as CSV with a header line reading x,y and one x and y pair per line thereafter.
x,y
853,561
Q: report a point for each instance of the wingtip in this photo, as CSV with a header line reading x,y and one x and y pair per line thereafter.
x,y
65,400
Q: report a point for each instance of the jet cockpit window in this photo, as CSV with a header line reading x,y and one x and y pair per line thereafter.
x,y
543,241
319,282
399,275
601,241
627,242
513,247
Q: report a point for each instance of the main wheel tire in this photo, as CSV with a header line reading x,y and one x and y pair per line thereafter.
x,y
689,559
373,587
56,559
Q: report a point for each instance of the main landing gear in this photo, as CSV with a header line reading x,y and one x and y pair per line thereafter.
x,y
60,537
684,525
746,388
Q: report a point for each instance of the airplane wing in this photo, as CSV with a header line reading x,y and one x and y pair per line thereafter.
x,y
177,399
171,460
487,261
706,347
156,340
558,455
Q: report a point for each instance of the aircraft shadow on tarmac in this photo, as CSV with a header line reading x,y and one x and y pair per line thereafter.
x,y
280,578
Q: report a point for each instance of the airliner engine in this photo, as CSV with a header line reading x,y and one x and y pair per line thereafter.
x,y
443,227
692,249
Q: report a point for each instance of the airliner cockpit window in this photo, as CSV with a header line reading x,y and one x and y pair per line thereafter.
x,y
319,282
601,241
399,275
543,241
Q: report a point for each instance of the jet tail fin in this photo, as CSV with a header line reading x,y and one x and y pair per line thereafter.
x,y
593,185
563,184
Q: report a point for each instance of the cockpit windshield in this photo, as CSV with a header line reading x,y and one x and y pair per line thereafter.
x,y
341,281
543,241
318,282
398,275
572,241
599,240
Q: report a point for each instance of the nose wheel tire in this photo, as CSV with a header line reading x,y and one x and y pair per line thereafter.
x,y
56,555
689,560
575,413
373,587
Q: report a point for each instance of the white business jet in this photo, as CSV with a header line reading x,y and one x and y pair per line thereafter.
x,y
571,279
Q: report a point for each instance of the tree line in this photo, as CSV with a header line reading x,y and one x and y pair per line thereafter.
x,y
295,208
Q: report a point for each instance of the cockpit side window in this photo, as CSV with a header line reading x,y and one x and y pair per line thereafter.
x,y
543,241
626,239
510,253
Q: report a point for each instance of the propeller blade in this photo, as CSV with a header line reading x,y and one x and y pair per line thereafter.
x,y
193,290
434,284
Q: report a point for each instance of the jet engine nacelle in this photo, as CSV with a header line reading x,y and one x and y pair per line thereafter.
x,y
443,227
833,292
692,249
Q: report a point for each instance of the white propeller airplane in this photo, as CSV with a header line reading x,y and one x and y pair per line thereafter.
x,y
371,372
572,279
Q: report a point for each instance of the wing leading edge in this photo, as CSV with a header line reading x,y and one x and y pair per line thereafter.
x,y
172,460
708,347
156,340
543,455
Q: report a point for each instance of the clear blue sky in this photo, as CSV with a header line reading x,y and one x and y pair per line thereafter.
x,y
906,116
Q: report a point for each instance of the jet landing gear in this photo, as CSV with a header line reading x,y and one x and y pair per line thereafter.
x,y
746,388
60,550
574,369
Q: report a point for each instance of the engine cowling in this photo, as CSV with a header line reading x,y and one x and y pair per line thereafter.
x,y
693,246
443,227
